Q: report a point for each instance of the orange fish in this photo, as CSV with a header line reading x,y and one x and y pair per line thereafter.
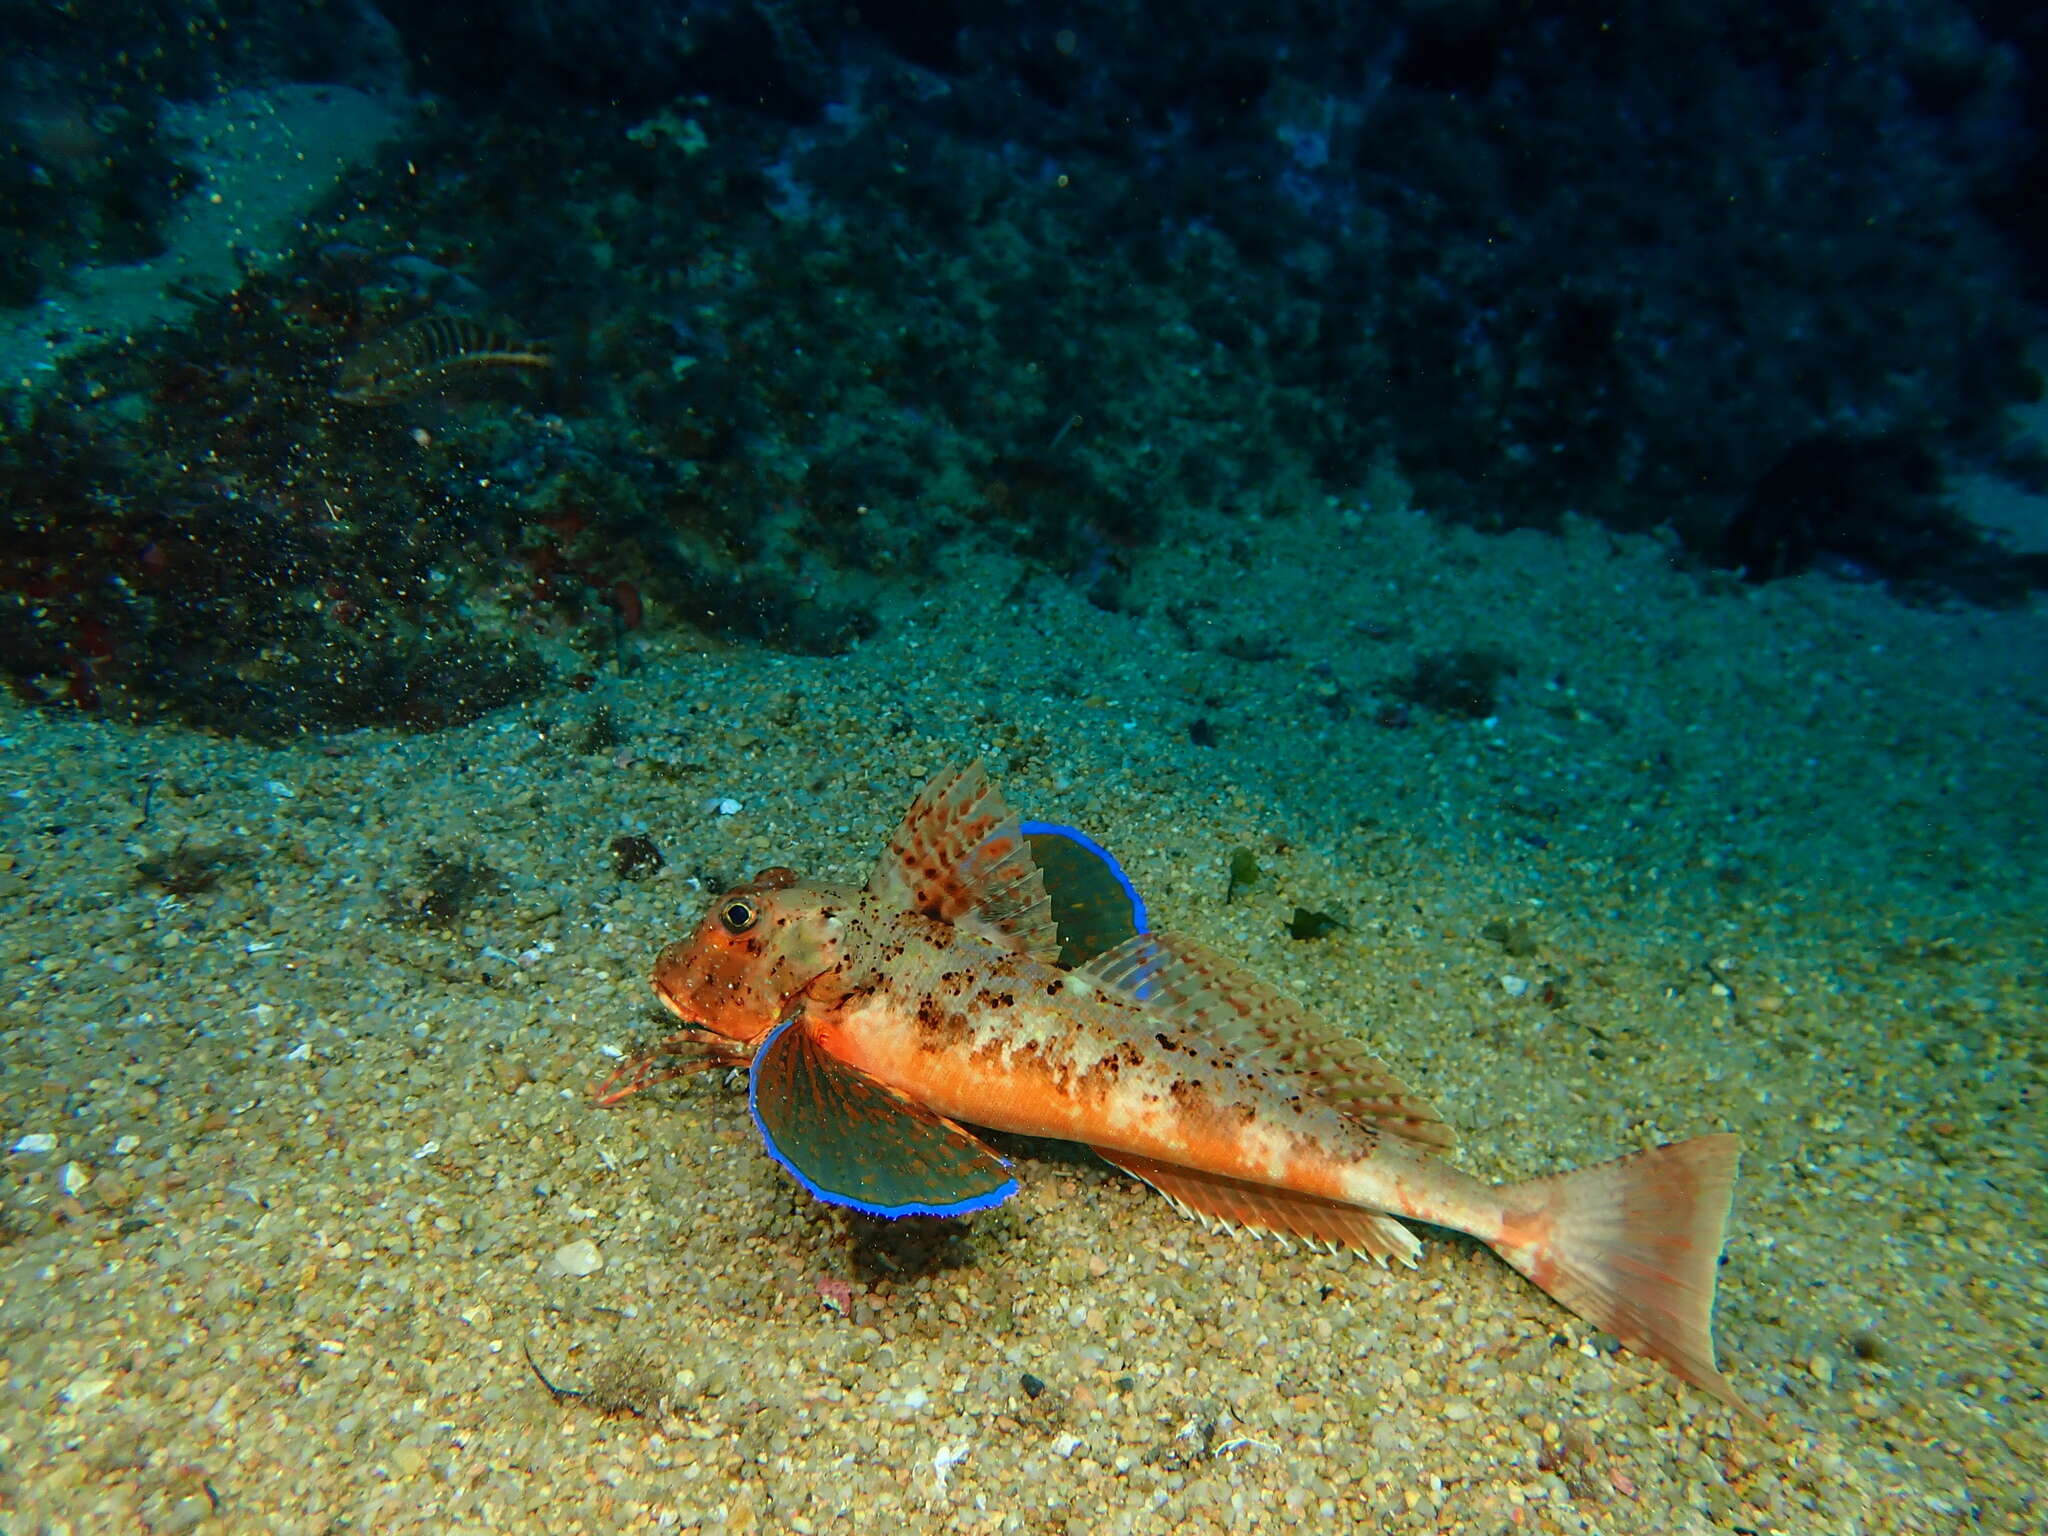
x,y
998,973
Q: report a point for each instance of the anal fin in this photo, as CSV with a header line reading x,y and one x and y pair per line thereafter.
x,y
1266,1208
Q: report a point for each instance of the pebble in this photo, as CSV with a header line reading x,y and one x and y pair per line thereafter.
x,y
38,1141
577,1259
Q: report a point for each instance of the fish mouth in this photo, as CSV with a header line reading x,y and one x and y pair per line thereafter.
x,y
668,1001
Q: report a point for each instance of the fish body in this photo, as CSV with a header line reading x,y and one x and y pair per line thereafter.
x,y
985,1035
428,353
878,1022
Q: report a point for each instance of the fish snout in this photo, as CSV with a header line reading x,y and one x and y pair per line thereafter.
x,y
672,980
713,988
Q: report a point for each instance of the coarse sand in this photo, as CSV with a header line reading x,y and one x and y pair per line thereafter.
x,y
310,1224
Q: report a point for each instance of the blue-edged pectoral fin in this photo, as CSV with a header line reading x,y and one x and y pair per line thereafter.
x,y
1094,904
852,1140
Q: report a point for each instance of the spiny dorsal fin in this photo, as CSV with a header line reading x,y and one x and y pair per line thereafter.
x,y
1205,992
1264,1208
960,857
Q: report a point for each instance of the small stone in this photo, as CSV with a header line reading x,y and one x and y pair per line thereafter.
x,y
1457,1409
38,1141
512,1073
576,1260
74,1178
1065,1446
537,908
635,857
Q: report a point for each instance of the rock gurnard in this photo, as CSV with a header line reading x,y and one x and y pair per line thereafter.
x,y
997,972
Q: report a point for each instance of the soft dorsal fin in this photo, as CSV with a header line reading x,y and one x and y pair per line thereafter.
x,y
1205,992
1094,904
960,857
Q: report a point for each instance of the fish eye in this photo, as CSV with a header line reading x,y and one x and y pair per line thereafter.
x,y
737,915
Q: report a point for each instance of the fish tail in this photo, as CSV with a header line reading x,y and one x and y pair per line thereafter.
x,y
1632,1246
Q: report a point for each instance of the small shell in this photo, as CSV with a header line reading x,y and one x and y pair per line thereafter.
x,y
576,1260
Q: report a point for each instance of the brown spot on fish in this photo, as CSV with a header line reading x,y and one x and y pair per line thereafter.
x,y
430,353
858,992
935,1022
1111,1064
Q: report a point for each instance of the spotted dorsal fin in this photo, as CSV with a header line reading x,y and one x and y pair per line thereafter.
x,y
1204,992
960,857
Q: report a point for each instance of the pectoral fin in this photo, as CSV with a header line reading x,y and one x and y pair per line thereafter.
x,y
1094,904
852,1140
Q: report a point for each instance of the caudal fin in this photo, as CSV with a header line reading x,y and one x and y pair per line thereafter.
x,y
1632,1247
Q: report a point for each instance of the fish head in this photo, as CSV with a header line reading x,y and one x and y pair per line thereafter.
x,y
760,946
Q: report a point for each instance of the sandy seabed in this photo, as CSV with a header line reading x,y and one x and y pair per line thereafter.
x,y
310,1224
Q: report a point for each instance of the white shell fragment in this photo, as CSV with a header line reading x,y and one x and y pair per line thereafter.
x,y
74,1178
944,1460
37,1141
577,1259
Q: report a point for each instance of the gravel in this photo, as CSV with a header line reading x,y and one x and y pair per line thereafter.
x,y
298,1173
